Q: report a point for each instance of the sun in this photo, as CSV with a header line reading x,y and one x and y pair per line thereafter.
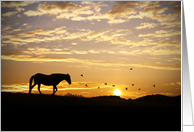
x,y
117,92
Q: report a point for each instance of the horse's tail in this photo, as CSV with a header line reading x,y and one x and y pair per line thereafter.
x,y
30,83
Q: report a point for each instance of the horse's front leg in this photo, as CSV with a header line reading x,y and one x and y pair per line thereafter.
x,y
54,89
39,88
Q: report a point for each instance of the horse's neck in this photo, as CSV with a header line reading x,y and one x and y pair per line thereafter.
x,y
63,77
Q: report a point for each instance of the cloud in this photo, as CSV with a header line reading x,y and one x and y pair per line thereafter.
x,y
11,4
178,83
119,13
4,28
158,13
170,2
38,35
73,43
175,23
123,9
43,51
176,43
161,33
66,10
172,84
20,9
80,52
19,16
93,51
25,24
106,35
14,87
177,9
8,14
16,57
33,13
147,25
16,30
179,59
161,51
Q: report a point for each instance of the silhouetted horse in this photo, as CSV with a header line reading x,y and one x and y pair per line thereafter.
x,y
53,79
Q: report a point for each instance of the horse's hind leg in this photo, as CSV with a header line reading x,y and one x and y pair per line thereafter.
x,y
54,90
31,88
39,88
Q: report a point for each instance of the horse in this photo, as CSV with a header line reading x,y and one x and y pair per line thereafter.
x,y
53,79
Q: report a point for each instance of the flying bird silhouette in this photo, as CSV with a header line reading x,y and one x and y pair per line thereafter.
x,y
139,88
113,85
105,83
86,85
82,75
154,85
132,84
126,88
131,68
98,87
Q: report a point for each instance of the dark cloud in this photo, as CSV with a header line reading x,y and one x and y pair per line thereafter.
x,y
123,8
16,3
63,5
177,9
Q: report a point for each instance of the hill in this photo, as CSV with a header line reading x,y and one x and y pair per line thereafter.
x,y
49,113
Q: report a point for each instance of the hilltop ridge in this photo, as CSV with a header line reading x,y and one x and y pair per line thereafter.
x,y
106,113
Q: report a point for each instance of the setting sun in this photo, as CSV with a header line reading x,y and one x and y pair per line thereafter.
x,y
117,92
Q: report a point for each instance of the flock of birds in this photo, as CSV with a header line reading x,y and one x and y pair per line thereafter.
x,y
114,85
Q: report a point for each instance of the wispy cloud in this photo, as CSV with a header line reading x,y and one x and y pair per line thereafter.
x,y
161,33
8,14
147,25
86,62
172,84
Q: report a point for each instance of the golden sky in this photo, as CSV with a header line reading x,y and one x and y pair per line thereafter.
x,y
101,40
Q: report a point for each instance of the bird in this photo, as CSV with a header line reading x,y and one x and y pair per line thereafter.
x,y
105,83
82,75
154,85
132,84
139,88
86,85
98,87
113,85
126,88
131,68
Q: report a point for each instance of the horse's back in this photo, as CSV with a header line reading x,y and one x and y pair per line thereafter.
x,y
40,74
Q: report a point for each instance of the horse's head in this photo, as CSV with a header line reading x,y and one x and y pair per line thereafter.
x,y
68,78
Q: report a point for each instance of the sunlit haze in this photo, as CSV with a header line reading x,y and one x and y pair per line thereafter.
x,y
112,44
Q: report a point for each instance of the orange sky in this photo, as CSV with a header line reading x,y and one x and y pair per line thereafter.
x,y
101,40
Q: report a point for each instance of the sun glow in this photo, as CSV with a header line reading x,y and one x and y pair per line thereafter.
x,y
117,92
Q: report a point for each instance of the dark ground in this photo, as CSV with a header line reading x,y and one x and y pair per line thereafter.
x,y
24,112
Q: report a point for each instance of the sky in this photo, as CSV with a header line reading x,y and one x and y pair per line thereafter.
x,y
102,40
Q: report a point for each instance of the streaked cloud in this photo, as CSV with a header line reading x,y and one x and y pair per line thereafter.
x,y
15,57
161,33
